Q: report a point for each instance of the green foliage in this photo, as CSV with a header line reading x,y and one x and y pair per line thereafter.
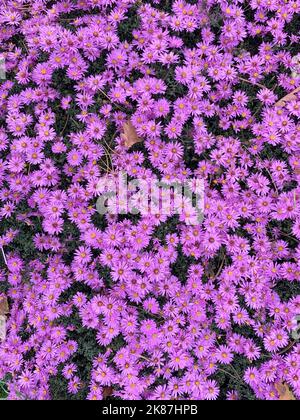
x,y
3,390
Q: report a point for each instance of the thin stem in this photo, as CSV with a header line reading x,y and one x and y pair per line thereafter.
x,y
252,83
285,350
110,100
221,266
289,237
4,256
145,358
291,345
228,373
65,126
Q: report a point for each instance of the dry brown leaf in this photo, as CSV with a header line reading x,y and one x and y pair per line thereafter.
x,y
129,134
4,309
2,327
285,394
289,97
107,391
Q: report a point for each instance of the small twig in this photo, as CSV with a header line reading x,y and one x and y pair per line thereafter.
x,y
111,101
145,358
273,182
236,372
76,122
24,46
66,123
252,83
111,141
109,163
268,356
105,169
287,348
221,266
68,19
289,237
230,374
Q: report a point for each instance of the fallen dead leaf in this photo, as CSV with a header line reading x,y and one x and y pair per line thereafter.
x,y
2,327
289,97
4,309
107,391
285,394
129,134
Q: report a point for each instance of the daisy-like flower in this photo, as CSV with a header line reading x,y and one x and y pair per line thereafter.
x,y
211,390
224,355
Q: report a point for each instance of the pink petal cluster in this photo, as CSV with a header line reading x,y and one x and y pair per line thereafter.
x,y
201,82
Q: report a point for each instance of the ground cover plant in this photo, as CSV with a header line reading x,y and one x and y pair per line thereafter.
x,y
149,306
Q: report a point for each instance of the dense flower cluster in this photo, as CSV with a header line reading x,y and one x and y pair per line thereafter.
x,y
170,306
